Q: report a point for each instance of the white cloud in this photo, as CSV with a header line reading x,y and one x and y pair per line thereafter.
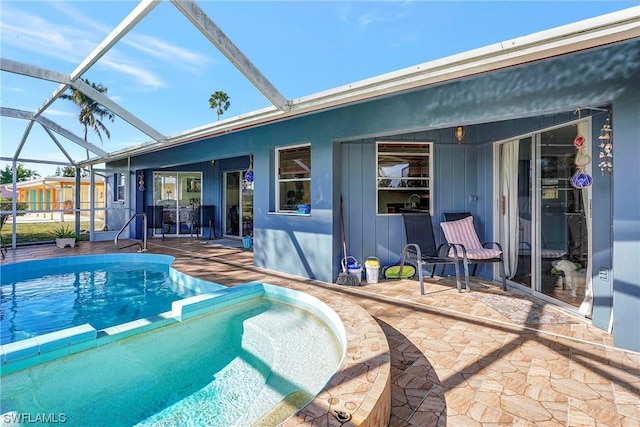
x,y
79,36
141,75
369,18
342,12
32,33
169,53
59,113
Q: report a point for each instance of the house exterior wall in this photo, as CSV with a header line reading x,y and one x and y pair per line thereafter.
x,y
626,218
494,106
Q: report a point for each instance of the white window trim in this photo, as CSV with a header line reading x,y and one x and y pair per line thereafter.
x,y
277,174
429,179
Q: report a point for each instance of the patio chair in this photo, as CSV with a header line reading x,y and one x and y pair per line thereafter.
x,y
459,230
169,218
421,248
549,253
204,219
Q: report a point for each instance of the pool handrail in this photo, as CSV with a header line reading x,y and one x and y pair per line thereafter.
x,y
143,244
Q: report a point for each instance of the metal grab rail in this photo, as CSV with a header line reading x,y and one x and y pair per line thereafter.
x,y
143,244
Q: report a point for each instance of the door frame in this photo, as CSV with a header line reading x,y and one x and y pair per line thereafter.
x,y
240,203
535,289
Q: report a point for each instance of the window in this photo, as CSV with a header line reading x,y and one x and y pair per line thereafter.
x,y
121,180
293,177
403,180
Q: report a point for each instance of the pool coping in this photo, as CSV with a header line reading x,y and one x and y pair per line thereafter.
x,y
359,391
361,387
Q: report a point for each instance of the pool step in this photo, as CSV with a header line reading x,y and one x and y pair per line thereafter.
x,y
285,409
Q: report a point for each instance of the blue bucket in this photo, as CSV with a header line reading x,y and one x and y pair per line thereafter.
x,y
247,242
304,209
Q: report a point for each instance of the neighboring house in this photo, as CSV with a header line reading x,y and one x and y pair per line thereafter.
x,y
55,196
490,131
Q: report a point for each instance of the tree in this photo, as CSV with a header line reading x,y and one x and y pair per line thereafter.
x,y
70,172
220,102
91,113
22,174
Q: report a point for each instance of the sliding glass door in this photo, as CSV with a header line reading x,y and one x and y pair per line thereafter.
x,y
238,204
543,219
179,194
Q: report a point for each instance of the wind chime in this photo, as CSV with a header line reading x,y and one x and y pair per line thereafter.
x,y
247,182
606,147
581,179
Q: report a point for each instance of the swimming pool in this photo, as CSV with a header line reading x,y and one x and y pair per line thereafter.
x,y
39,297
236,355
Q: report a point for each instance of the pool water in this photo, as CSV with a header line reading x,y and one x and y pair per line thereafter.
x,y
225,368
101,294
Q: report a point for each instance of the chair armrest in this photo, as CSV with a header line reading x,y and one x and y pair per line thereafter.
x,y
416,248
489,244
461,248
524,245
449,247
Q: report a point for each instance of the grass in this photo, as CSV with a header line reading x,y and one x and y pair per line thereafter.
x,y
38,232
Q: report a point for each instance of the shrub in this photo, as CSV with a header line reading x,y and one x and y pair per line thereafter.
x,y
6,204
64,232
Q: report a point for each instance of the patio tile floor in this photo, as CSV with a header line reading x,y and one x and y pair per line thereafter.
x,y
484,358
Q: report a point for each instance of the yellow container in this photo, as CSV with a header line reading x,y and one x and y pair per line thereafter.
x,y
372,269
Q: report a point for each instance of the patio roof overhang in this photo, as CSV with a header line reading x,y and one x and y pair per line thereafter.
x,y
591,33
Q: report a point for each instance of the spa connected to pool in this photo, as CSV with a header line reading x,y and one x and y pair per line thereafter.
x,y
142,343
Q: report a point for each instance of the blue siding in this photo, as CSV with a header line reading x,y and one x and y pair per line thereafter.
x,y
626,223
601,217
493,106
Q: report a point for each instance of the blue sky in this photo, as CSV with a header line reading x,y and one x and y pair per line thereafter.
x,y
164,70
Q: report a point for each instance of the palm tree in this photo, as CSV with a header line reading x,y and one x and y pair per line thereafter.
x,y
91,113
220,101
22,174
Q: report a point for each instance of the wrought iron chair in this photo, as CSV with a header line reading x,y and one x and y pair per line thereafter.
x,y
201,216
459,231
421,248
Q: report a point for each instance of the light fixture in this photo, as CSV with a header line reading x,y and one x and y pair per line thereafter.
x,y
459,133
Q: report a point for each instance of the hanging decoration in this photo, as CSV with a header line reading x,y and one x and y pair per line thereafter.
x,y
606,147
581,179
141,182
249,175
247,182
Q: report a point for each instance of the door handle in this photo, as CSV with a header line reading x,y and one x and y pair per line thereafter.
x,y
503,205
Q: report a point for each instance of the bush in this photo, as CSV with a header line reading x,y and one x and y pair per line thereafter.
x,y
6,204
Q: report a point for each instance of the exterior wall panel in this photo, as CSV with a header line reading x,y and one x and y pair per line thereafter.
x,y
626,219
